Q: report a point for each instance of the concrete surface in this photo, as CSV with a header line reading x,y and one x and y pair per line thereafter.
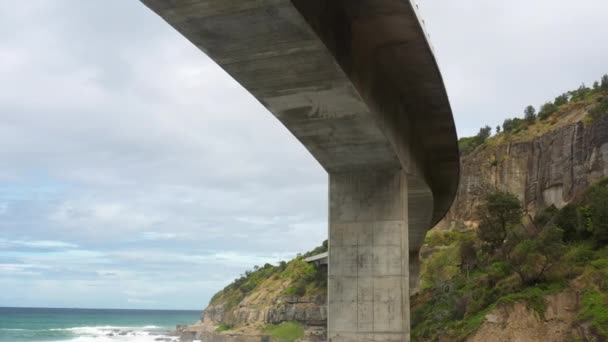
x,y
368,297
357,83
319,259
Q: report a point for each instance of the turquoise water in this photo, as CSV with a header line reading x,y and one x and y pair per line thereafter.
x,y
90,325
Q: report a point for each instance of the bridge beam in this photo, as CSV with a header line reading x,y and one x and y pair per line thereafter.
x,y
368,294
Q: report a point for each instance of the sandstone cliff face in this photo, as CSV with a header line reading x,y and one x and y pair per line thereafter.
x,y
550,169
310,311
257,310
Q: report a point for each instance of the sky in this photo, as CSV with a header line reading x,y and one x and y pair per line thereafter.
x,y
136,174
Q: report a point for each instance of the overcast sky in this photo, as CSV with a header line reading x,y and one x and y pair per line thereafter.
x,y
135,174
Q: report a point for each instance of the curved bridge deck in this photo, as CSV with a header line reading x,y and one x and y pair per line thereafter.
x,y
357,83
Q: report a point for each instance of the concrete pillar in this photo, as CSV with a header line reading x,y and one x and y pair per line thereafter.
x,y
368,294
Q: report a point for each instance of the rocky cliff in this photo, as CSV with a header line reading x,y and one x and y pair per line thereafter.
x,y
470,292
548,164
253,314
287,301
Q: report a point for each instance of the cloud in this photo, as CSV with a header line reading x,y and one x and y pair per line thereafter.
x,y
141,301
36,244
160,236
499,56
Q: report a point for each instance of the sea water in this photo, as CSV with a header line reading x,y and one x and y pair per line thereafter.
x,y
91,325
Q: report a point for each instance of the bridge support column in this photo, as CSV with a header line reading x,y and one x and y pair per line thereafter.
x,y
368,294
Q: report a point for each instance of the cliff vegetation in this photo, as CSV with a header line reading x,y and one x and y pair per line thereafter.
x,y
297,278
523,253
513,257
565,109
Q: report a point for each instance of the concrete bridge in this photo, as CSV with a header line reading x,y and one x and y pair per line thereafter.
x,y
357,83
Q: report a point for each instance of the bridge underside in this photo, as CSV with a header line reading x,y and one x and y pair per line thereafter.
x,y
357,83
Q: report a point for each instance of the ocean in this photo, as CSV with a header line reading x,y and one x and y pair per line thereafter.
x,y
91,325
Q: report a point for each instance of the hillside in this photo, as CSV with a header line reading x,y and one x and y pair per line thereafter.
x,y
522,254
285,302
545,160
517,277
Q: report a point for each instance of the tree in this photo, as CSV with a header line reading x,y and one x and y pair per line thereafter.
x,y
511,125
466,145
546,110
596,85
604,82
568,220
498,129
469,144
484,134
500,211
537,253
580,93
561,100
599,110
595,213
546,215
530,115
468,256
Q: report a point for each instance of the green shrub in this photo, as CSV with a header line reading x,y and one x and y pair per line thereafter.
x,y
580,254
604,82
286,331
298,288
536,255
499,269
534,297
440,267
595,309
595,213
580,94
526,262
223,327
561,100
446,238
546,110
569,221
600,110
546,215
304,278
513,125
469,144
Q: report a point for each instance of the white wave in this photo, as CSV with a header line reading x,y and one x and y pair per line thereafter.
x,y
109,333
107,327
121,339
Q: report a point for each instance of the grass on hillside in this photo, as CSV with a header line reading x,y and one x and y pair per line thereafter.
x,y
286,331
298,278
594,308
223,327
